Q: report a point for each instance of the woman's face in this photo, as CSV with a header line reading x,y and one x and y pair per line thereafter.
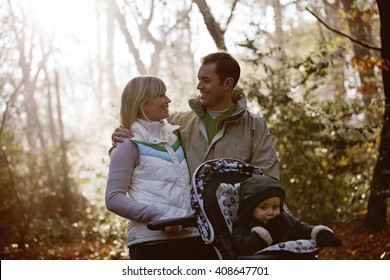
x,y
157,108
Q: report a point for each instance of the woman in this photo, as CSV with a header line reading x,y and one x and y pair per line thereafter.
x,y
148,176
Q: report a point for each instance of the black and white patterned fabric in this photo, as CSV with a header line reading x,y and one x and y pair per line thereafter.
x,y
227,195
299,246
199,180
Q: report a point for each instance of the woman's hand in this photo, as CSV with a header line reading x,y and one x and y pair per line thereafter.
x,y
174,228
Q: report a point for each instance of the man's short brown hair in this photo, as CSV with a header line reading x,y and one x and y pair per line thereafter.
x,y
227,66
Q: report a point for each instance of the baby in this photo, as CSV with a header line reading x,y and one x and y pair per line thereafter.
x,y
262,222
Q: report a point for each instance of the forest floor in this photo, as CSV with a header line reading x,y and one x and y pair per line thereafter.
x,y
358,244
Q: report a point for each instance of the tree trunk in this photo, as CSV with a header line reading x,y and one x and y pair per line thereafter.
x,y
212,25
158,45
129,40
361,31
376,217
279,32
63,150
110,53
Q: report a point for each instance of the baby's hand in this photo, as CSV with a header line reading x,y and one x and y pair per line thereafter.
x,y
326,238
173,228
263,234
277,226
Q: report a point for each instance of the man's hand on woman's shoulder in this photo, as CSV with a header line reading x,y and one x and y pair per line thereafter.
x,y
120,134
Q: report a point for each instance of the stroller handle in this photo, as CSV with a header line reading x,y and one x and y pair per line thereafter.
x,y
186,221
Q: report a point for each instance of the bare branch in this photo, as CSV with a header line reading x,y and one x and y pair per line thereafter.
x,y
212,25
121,19
343,34
183,17
231,15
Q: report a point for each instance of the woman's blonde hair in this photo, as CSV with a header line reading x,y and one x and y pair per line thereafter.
x,y
137,91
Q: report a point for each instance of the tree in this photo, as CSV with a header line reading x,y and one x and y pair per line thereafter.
x,y
212,25
376,217
35,174
329,160
362,32
120,17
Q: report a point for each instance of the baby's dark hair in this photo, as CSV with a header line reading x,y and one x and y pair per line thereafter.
x,y
257,189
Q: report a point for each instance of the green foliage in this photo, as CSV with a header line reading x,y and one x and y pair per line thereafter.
x,y
326,148
111,229
32,210
39,200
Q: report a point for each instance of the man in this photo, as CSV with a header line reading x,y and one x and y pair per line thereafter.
x,y
219,124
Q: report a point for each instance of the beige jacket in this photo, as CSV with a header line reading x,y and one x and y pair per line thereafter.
x,y
243,136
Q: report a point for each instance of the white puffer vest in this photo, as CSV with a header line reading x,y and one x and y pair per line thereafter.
x,y
160,179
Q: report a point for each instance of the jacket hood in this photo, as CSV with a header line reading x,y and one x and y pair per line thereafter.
x,y
256,189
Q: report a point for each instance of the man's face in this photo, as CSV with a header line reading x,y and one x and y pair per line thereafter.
x,y
212,91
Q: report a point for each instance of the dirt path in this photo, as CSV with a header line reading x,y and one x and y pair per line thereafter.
x,y
358,244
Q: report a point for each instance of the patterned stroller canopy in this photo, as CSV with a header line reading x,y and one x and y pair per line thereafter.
x,y
234,171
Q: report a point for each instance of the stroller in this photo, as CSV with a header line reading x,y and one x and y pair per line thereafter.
x,y
214,199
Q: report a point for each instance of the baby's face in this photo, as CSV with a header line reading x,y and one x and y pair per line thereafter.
x,y
267,209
